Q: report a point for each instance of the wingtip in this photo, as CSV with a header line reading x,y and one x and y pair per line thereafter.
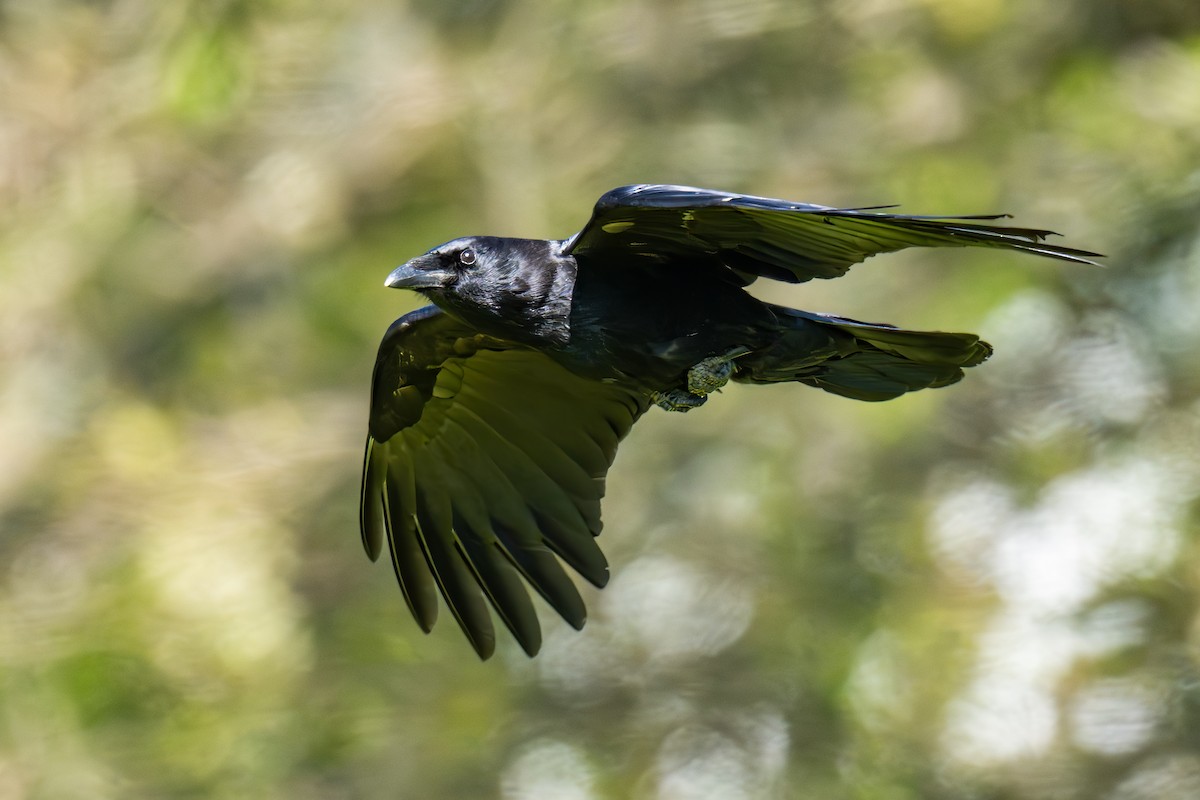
x,y
530,649
602,579
1036,237
484,647
1071,254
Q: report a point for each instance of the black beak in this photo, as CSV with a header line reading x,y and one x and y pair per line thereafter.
x,y
424,272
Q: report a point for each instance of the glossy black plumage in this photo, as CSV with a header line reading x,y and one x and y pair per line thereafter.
x,y
496,412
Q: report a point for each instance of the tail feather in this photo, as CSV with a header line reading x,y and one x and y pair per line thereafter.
x,y
861,360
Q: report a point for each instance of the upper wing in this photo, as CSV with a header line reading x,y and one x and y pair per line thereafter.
x,y
793,242
483,463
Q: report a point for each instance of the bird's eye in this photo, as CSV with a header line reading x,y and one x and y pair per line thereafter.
x,y
466,257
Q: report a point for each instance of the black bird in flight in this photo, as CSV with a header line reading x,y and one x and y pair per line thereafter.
x,y
496,411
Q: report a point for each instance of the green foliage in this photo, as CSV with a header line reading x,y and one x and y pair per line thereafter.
x,y
983,592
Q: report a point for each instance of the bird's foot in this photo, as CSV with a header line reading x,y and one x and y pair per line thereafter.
x,y
707,376
711,373
677,400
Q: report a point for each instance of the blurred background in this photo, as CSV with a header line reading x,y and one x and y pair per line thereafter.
x,y
988,591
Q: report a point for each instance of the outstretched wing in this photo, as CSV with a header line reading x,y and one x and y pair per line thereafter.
x,y
485,464
793,242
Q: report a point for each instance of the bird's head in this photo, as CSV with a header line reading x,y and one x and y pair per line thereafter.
x,y
513,288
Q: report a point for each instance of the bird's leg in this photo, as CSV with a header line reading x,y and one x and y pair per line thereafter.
x,y
707,376
711,373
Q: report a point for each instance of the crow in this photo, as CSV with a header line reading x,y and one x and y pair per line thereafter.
x,y
496,411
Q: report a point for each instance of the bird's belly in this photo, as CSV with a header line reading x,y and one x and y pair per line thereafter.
x,y
650,364
647,326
